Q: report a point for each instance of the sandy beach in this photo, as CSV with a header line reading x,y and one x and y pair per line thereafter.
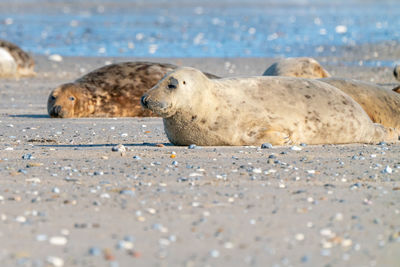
x,y
66,199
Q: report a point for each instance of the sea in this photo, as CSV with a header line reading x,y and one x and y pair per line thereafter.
x,y
179,28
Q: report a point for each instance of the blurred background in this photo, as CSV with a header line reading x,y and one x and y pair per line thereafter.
x,y
217,28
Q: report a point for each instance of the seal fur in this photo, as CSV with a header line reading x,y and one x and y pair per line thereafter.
x,y
22,65
110,91
381,105
255,110
303,67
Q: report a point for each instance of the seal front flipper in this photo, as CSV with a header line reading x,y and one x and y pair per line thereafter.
x,y
277,138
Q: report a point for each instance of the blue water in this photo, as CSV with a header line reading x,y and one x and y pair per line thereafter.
x,y
218,28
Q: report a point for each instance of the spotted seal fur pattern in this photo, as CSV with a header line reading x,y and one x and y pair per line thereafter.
x,y
110,91
255,110
14,62
303,67
381,105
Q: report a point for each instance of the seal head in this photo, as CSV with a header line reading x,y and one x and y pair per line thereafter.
x,y
66,101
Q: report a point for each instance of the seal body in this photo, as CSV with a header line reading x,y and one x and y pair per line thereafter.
x,y
255,110
381,105
110,91
303,67
14,62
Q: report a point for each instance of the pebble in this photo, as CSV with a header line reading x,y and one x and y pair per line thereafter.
x,y
55,190
387,170
266,145
55,261
94,251
214,253
58,240
55,58
119,148
137,157
41,238
296,148
27,156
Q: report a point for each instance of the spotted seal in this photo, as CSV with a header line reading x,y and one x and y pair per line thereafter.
x,y
254,110
382,105
303,67
14,62
110,91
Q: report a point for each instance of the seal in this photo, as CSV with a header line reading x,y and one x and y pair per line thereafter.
x,y
303,67
381,105
110,91
254,110
14,62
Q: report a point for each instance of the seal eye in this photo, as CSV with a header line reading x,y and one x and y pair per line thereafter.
x,y
71,98
53,97
173,83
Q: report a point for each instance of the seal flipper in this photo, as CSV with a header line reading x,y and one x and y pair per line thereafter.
x,y
277,138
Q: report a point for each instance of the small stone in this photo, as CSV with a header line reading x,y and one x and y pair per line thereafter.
x,y
137,157
55,58
214,253
119,148
56,190
41,238
299,237
387,170
296,148
266,145
58,240
55,261
192,146
27,156
94,251
20,219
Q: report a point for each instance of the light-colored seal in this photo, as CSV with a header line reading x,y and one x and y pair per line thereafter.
x,y
110,91
255,110
381,105
303,67
14,62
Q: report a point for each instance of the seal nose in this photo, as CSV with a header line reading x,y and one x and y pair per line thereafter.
x,y
56,111
143,101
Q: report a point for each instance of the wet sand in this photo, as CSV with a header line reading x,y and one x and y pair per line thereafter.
x,y
66,199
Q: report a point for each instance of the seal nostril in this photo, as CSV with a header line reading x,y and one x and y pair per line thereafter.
x,y
57,110
143,101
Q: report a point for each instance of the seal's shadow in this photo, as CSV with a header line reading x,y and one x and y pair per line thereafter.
x,y
33,116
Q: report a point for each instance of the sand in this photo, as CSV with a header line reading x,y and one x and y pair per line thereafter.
x,y
66,199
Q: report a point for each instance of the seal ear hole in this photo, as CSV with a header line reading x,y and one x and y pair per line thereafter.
x,y
184,82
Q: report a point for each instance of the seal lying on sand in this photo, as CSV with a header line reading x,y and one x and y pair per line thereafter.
x,y
381,105
14,62
303,67
110,91
254,110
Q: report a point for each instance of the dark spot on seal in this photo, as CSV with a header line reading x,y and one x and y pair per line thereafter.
x,y
203,121
308,96
194,117
184,82
173,83
71,98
